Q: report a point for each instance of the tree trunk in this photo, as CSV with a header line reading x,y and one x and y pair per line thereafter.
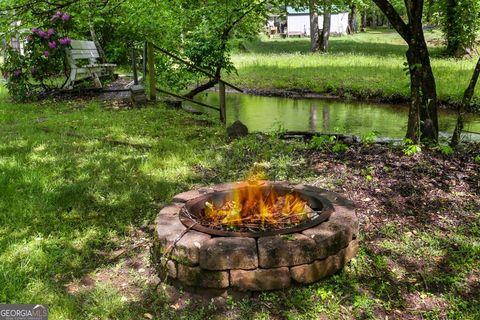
x,y
467,97
423,106
364,20
93,34
325,35
314,31
352,19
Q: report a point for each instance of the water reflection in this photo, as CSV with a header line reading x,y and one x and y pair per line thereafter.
x,y
267,114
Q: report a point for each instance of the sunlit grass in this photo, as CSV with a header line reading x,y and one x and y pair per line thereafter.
x,y
364,65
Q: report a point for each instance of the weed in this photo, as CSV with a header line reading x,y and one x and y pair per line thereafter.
x,y
410,148
369,138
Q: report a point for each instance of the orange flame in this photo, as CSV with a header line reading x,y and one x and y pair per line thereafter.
x,y
250,207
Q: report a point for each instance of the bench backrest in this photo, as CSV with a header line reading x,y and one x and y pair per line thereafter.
x,y
81,49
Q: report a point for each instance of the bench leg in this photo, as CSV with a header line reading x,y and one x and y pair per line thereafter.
x,y
71,79
96,80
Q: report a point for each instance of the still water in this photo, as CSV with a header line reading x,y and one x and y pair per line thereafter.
x,y
267,114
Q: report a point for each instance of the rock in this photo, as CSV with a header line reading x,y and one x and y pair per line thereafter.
x,y
137,94
229,253
260,279
187,249
237,130
189,195
286,250
329,237
195,276
167,270
346,218
312,272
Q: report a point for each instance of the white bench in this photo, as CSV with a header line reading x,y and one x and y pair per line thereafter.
x,y
85,51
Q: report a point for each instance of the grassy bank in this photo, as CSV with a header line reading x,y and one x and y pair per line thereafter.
x,y
364,65
80,184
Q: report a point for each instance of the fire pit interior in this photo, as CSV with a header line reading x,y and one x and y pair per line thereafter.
x,y
254,236
254,210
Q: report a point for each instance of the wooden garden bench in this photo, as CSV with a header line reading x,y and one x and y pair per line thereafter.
x,y
82,56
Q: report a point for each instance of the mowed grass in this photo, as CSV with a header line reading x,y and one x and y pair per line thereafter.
x,y
78,180
363,65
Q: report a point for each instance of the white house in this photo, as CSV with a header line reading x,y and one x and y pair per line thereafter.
x,y
298,22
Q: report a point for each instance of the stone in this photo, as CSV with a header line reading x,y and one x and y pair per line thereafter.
x,y
229,253
347,218
172,209
187,249
189,195
312,272
167,228
237,130
168,270
285,250
349,252
195,276
260,279
329,238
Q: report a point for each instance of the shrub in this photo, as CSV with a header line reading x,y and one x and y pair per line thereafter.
x,y
42,62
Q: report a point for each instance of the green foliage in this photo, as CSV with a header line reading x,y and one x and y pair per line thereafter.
x,y
477,158
446,150
328,143
369,138
322,143
42,61
459,23
410,148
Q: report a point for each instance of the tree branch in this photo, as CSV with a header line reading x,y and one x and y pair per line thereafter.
x,y
394,18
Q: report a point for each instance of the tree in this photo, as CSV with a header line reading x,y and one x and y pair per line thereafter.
x,y
314,30
459,22
423,118
325,34
467,97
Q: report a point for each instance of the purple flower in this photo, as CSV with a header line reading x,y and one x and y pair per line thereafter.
x,y
52,44
65,41
29,38
17,72
50,32
42,34
57,15
65,17
35,30
46,54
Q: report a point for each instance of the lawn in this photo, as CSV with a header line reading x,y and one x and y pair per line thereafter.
x,y
81,182
363,65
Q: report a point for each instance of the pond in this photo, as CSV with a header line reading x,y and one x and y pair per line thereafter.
x,y
267,114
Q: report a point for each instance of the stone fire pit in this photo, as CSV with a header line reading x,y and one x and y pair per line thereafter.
x,y
199,259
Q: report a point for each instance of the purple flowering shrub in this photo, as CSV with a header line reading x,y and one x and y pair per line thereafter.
x,y
43,61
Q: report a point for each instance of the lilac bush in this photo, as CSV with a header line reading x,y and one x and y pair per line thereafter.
x,y
43,61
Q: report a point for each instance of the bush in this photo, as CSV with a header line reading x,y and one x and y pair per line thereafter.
x,y
42,62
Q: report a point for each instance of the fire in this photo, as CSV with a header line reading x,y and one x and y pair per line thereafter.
x,y
252,207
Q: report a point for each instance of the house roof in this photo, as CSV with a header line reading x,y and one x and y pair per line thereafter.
x,y
305,11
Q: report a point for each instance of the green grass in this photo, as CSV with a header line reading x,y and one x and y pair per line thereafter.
x,y
363,65
69,191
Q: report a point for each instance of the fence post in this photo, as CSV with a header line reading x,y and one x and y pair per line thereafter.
x,y
134,67
151,72
221,92
144,61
